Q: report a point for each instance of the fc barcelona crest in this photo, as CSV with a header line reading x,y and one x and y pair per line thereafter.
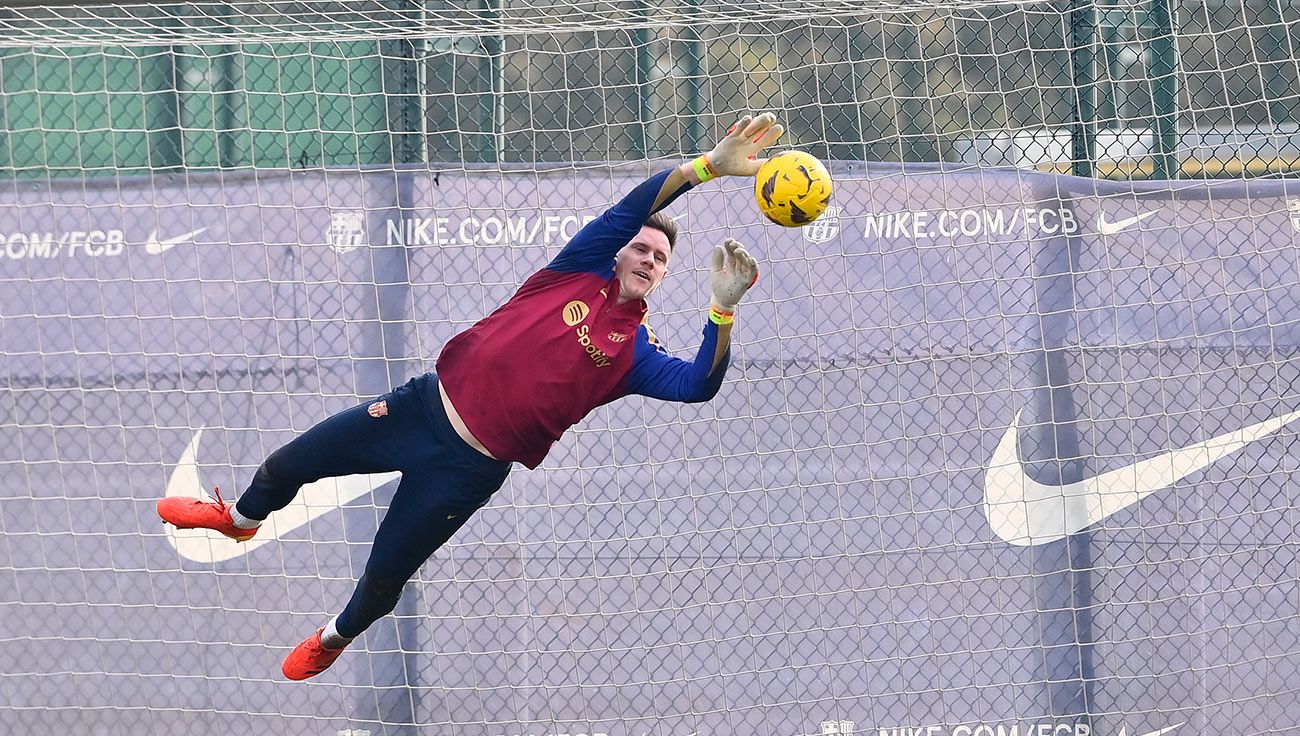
x,y
823,228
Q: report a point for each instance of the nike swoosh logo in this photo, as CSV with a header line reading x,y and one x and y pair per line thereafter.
x,y
1027,513
153,246
1110,228
1157,732
312,502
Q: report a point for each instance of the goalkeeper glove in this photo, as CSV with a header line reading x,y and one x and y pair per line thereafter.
x,y
732,272
735,153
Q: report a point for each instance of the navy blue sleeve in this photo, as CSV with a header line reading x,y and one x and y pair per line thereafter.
x,y
659,375
592,249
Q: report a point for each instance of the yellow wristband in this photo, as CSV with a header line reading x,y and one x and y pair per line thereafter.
x,y
704,169
721,316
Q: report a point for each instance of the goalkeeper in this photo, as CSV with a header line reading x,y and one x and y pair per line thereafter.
x,y
571,339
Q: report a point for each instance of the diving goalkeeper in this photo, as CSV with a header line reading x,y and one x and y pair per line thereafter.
x,y
571,339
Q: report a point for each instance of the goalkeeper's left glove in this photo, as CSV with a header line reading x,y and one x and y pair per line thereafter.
x,y
732,272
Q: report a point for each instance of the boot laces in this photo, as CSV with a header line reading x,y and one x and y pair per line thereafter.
x,y
220,501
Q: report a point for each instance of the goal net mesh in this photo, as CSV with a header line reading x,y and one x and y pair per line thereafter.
x,y
1005,446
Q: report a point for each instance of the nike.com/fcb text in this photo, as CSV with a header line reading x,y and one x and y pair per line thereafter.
x,y
970,223
990,729
52,244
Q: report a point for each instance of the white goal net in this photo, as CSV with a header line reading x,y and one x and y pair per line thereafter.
x,y
1006,446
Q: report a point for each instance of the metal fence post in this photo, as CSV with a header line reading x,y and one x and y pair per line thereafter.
x,y
1164,90
694,94
642,39
1083,131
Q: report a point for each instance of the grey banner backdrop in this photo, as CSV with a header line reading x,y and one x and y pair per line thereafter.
x,y
819,550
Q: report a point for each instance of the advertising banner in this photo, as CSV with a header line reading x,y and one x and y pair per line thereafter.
x,y
998,453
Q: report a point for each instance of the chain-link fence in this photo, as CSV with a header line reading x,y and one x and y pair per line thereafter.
x,y
1161,87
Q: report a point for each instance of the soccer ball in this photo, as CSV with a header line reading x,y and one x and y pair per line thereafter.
x,y
792,189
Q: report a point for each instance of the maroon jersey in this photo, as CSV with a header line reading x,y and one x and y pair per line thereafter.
x,y
563,345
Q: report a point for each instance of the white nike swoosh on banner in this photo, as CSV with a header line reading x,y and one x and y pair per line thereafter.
x,y
1026,513
153,246
1110,228
1157,732
312,502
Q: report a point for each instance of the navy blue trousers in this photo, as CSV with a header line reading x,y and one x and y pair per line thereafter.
x,y
444,481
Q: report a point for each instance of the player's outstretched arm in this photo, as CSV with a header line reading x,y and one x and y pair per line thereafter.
x,y
593,248
658,375
735,155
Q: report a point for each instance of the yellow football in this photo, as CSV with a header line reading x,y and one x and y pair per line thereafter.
x,y
792,188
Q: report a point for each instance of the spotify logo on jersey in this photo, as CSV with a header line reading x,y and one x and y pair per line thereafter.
x,y
575,312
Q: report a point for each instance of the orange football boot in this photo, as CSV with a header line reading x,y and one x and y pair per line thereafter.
x,y
195,513
310,658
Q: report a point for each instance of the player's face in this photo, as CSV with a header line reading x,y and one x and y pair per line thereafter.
x,y
642,263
